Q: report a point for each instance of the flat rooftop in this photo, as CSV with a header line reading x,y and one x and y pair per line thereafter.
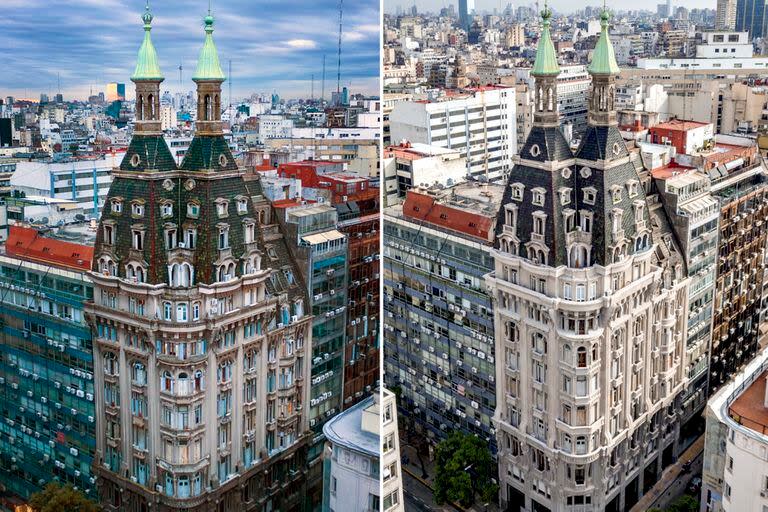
x,y
749,410
680,125
345,429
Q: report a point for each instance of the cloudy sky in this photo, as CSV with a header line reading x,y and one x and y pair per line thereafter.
x,y
273,45
561,5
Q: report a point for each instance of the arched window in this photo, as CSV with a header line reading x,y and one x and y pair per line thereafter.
x,y
208,115
199,380
579,256
140,108
166,382
581,357
567,353
151,107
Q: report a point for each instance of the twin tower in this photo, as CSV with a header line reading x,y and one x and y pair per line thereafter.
x,y
208,77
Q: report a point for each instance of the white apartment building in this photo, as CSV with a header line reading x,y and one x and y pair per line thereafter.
x,y
735,472
168,119
410,165
727,51
352,439
391,475
572,87
480,123
274,126
85,182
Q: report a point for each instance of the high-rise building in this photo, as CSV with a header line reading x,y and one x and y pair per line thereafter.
x,y
46,365
438,339
353,467
464,18
741,187
479,122
202,338
752,17
391,472
725,19
115,92
734,469
588,288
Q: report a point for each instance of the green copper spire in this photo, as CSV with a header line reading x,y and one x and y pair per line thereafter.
x,y
208,67
147,66
603,58
546,58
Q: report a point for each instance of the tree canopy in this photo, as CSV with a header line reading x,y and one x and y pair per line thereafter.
x,y
61,498
464,470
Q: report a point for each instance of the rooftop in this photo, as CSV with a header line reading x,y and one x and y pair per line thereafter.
x,y
416,151
345,429
30,244
679,125
749,409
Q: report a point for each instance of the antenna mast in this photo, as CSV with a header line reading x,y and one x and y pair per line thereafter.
x,y
230,83
338,68
322,91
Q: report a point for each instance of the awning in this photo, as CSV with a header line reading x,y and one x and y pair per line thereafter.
x,y
319,238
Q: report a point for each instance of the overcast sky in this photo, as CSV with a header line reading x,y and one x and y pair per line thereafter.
x,y
273,45
561,5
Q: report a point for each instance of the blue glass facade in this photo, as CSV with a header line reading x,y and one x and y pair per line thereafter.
x,y
47,424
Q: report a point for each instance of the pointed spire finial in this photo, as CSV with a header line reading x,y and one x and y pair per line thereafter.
x,y
147,66
604,58
546,58
208,67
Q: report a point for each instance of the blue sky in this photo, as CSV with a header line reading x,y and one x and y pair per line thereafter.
x,y
273,45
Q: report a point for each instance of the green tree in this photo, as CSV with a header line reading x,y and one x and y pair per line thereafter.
x,y
61,498
464,469
685,503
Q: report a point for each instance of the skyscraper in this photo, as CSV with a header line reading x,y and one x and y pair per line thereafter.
x,y
115,92
751,17
466,8
588,286
725,18
202,344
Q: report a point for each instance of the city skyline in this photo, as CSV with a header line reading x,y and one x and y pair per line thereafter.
x,y
89,51
560,6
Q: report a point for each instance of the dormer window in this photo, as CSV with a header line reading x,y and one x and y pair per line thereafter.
x,y
109,234
242,206
250,232
585,219
538,196
539,222
569,220
590,194
565,195
617,216
517,191
632,188
138,240
193,210
639,207
166,209
224,237
221,207
117,206
137,209
616,194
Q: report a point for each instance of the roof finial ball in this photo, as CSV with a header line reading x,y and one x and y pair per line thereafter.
x,y
147,17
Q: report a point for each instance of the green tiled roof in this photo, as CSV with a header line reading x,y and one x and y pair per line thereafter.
x,y
149,153
147,65
546,58
205,153
603,58
208,67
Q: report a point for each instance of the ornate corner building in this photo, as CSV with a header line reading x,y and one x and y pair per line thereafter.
x,y
590,292
201,336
